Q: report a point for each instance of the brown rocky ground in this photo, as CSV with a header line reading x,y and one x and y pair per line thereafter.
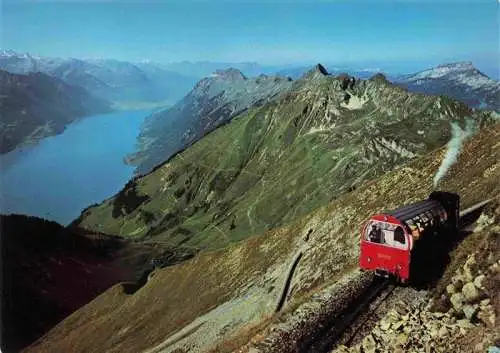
x,y
225,300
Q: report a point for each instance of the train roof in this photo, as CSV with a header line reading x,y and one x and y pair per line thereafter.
x,y
409,211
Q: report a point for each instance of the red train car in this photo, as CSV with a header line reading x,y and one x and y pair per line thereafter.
x,y
393,243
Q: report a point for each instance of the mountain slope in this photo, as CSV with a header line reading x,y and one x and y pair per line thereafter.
x,y
279,161
461,81
212,102
228,297
49,271
118,81
36,105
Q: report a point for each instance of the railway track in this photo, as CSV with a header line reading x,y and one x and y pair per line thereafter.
x,y
358,325
337,331
473,208
345,327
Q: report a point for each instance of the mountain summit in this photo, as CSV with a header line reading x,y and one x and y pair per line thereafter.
x,y
316,72
321,69
447,69
231,73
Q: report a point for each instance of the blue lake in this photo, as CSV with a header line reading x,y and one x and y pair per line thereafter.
x,y
63,174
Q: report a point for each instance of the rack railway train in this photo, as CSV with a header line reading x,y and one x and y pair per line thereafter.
x,y
404,243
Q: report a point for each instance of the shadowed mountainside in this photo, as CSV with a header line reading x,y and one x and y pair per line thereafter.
x,y
35,106
49,271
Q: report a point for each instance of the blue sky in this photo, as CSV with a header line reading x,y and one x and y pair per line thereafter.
x,y
365,33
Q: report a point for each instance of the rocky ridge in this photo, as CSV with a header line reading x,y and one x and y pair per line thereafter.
x,y
277,162
213,101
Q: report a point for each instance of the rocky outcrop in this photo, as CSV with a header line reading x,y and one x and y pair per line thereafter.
x,y
467,292
472,285
407,328
418,330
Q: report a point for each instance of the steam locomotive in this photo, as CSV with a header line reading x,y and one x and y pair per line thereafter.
x,y
405,242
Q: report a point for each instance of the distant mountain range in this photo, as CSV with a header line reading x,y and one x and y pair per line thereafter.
x,y
127,83
118,81
461,81
212,102
36,105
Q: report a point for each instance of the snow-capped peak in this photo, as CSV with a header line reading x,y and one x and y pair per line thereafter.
x,y
459,73
463,65
8,53
445,69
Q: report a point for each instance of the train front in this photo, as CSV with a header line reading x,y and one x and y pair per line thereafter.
x,y
385,247
413,232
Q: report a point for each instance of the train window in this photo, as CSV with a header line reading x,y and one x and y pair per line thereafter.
x,y
399,235
374,232
390,238
385,233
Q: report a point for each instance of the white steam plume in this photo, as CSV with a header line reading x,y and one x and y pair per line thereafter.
x,y
458,137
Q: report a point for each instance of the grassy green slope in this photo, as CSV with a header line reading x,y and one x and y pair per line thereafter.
x,y
279,161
